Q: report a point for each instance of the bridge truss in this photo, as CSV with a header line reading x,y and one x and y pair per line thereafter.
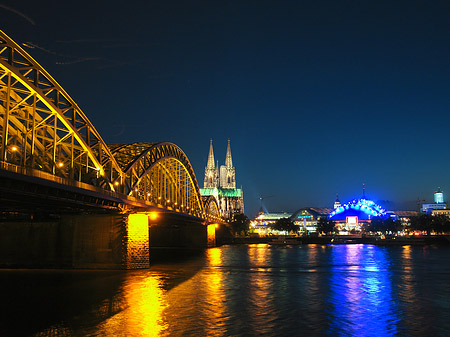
x,y
160,173
211,207
43,129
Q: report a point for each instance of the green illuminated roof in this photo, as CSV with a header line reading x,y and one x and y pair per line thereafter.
x,y
223,192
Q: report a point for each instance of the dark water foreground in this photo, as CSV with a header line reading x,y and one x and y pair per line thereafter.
x,y
244,290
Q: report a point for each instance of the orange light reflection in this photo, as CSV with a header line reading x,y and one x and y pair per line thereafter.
x,y
143,316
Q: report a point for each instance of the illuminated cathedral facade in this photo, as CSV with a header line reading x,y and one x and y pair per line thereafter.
x,y
221,183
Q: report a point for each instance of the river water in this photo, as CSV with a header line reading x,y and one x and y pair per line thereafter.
x,y
244,290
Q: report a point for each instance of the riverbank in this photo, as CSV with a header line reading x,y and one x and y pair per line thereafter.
x,y
342,239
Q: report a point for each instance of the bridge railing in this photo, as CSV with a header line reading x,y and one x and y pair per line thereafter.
x,y
47,176
68,182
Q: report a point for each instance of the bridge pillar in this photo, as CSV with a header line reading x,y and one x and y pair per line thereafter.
x,y
137,242
182,235
110,241
98,241
92,241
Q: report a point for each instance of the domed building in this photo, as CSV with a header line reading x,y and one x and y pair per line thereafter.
x,y
353,214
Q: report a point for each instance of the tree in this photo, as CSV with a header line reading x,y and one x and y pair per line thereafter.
x,y
429,223
285,224
440,223
384,225
240,223
423,222
326,226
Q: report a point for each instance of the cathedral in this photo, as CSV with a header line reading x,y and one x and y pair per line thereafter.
x,y
221,183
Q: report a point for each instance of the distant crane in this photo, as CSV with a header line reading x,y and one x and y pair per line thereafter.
x,y
262,208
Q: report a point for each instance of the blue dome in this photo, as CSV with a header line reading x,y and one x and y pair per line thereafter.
x,y
362,208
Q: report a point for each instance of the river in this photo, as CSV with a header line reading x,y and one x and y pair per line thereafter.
x,y
241,290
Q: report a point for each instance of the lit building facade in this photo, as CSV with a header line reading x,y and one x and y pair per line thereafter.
x,y
262,223
438,204
445,212
307,218
221,183
355,213
349,217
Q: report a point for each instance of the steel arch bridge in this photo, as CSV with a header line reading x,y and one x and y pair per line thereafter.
x,y
42,128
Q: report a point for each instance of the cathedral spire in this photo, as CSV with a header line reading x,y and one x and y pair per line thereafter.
x,y
211,172
228,160
210,163
227,173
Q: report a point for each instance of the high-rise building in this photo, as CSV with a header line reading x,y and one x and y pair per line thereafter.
x,y
221,183
438,203
439,196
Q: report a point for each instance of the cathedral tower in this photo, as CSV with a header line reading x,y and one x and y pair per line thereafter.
x,y
227,171
223,186
211,172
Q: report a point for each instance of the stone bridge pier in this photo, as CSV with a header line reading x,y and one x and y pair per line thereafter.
x,y
97,241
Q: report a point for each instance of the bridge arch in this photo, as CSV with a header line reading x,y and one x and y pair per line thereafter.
x,y
212,209
160,173
41,127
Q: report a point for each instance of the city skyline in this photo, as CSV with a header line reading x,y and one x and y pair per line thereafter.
x,y
316,98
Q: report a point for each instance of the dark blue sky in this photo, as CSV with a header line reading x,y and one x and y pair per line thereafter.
x,y
317,97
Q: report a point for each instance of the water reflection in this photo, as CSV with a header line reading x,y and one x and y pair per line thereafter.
x,y
214,296
261,290
57,302
145,301
423,291
197,306
314,290
361,293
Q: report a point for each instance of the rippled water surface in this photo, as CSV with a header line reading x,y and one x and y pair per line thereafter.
x,y
254,290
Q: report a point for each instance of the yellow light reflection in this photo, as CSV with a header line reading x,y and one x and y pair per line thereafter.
x,y
146,301
407,288
214,257
259,293
214,292
406,253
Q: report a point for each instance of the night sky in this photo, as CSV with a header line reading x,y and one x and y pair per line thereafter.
x,y
317,97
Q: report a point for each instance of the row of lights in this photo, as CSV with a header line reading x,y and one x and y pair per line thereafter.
x,y
116,183
159,198
154,215
60,164
14,148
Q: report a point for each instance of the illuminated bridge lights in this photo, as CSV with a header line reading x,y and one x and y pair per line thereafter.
x,y
42,128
